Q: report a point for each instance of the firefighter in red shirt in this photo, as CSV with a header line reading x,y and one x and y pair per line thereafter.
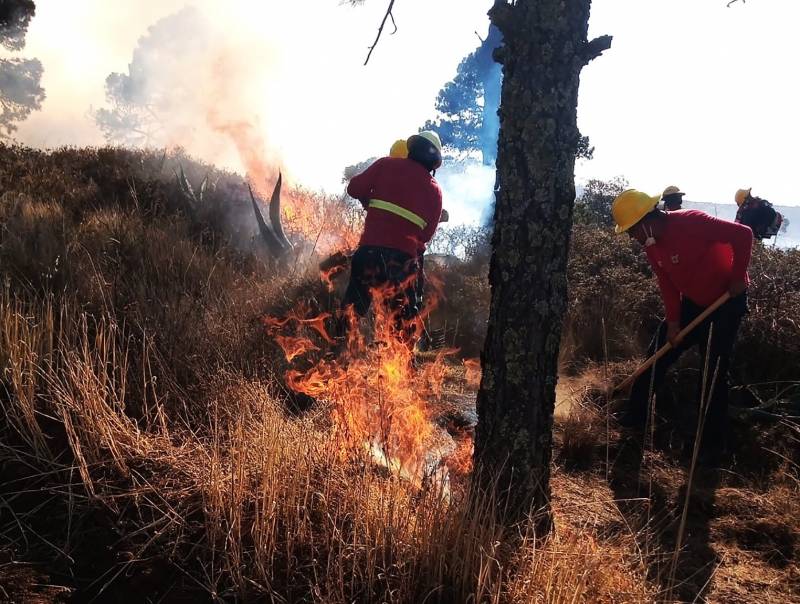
x,y
400,149
404,205
696,258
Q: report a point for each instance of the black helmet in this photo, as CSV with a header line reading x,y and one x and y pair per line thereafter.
x,y
426,149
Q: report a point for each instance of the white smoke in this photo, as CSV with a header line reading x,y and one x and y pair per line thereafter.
x,y
287,74
467,190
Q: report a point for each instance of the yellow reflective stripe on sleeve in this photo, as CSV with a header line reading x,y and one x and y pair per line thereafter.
x,y
398,211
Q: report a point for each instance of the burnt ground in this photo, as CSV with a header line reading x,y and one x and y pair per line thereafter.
x,y
741,542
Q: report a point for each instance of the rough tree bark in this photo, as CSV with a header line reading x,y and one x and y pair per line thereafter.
x,y
545,49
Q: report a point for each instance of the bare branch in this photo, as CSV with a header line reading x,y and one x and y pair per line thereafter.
x,y
594,48
380,29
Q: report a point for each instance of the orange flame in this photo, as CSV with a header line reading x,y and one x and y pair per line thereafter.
x,y
319,220
473,372
379,398
332,267
294,347
460,461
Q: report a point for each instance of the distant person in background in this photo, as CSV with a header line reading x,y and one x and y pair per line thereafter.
x,y
672,198
758,214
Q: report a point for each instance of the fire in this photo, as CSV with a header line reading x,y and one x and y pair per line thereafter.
x,y
380,400
332,267
473,372
460,460
294,347
327,223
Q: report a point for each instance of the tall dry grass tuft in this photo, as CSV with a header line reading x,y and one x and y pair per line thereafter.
x,y
25,345
145,434
582,435
255,503
575,566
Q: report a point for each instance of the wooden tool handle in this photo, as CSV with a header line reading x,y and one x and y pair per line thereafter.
x,y
667,347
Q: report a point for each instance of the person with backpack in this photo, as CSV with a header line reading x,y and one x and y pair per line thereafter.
x,y
758,214
696,259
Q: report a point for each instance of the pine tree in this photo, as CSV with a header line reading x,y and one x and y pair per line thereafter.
x,y
467,105
20,79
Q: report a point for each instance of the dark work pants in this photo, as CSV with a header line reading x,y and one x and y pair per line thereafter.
x,y
725,321
419,286
373,267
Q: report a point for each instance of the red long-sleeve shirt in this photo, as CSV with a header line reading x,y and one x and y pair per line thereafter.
x,y
698,256
407,184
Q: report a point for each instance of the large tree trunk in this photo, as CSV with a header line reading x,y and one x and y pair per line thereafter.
x,y
545,49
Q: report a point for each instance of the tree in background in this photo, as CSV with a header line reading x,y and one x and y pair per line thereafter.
x,y
153,87
20,79
593,206
467,106
545,48
15,17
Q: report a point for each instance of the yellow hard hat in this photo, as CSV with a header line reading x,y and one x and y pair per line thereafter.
x,y
399,149
431,137
630,207
741,195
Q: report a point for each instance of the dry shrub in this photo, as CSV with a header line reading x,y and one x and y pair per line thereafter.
x,y
769,342
125,249
457,266
611,285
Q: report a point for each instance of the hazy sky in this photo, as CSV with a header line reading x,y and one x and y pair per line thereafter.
x,y
691,93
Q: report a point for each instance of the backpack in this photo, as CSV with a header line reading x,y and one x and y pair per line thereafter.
x,y
760,216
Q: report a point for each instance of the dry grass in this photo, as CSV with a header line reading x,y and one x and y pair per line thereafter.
x,y
147,452
256,503
139,396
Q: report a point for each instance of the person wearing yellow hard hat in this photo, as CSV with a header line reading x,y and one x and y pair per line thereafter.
x,y
426,149
696,258
741,196
404,207
759,214
399,149
672,198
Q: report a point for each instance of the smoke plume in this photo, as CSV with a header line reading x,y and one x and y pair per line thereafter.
x,y
187,86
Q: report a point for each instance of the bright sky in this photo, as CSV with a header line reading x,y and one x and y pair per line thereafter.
x,y
691,93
